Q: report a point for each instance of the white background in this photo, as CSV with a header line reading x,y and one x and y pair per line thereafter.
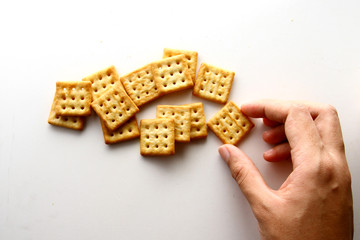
x,y
57,183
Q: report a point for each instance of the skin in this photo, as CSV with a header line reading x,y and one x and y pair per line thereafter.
x,y
315,201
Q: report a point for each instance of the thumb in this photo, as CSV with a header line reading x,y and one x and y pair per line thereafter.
x,y
246,174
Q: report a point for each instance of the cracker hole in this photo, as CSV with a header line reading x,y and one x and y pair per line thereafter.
x,y
181,133
57,117
147,72
128,109
114,107
230,110
177,62
138,76
151,80
217,123
82,98
231,138
147,93
95,90
156,127
143,84
243,124
169,65
147,127
108,99
155,89
196,120
219,94
109,74
113,120
100,77
165,126
107,113
162,76
66,119
82,107
171,74
163,113
198,129
230,124
147,136
72,107
156,136
112,83
211,91
157,146
165,145
130,130
165,85
121,132
237,131
189,58
112,134
180,71
166,136
147,146
120,115
174,83
224,130
138,97
101,105
173,113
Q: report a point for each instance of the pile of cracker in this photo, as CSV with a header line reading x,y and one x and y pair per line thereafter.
x,y
116,100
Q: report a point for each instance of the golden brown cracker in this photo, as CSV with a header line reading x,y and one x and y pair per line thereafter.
x,y
76,123
127,131
182,119
114,107
230,124
198,123
157,137
141,86
213,83
102,81
172,74
73,98
191,59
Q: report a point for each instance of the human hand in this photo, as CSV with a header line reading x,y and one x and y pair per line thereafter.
x,y
315,201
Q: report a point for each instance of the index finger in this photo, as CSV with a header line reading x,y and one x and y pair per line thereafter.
x,y
277,110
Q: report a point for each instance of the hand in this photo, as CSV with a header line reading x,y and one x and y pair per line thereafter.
x,y
315,201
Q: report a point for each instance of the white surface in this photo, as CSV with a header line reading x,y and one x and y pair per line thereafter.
x,y
61,184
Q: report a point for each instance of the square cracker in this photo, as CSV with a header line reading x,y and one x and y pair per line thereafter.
x,y
213,83
191,59
182,119
230,124
198,123
141,86
76,123
102,81
127,131
172,74
114,107
157,137
73,98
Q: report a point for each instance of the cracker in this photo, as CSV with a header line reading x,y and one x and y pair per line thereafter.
x,y
127,131
114,107
198,123
157,137
182,119
141,86
73,98
102,81
76,123
172,74
213,83
230,124
191,59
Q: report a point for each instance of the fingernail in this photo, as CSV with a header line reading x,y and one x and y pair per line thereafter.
x,y
268,152
224,153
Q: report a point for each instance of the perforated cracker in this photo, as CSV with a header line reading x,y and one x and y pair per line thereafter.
x,y
198,123
73,98
141,86
230,124
191,59
114,107
213,83
76,123
182,119
102,81
172,74
127,131
157,137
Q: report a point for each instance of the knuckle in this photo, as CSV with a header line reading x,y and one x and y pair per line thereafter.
x,y
330,109
240,173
